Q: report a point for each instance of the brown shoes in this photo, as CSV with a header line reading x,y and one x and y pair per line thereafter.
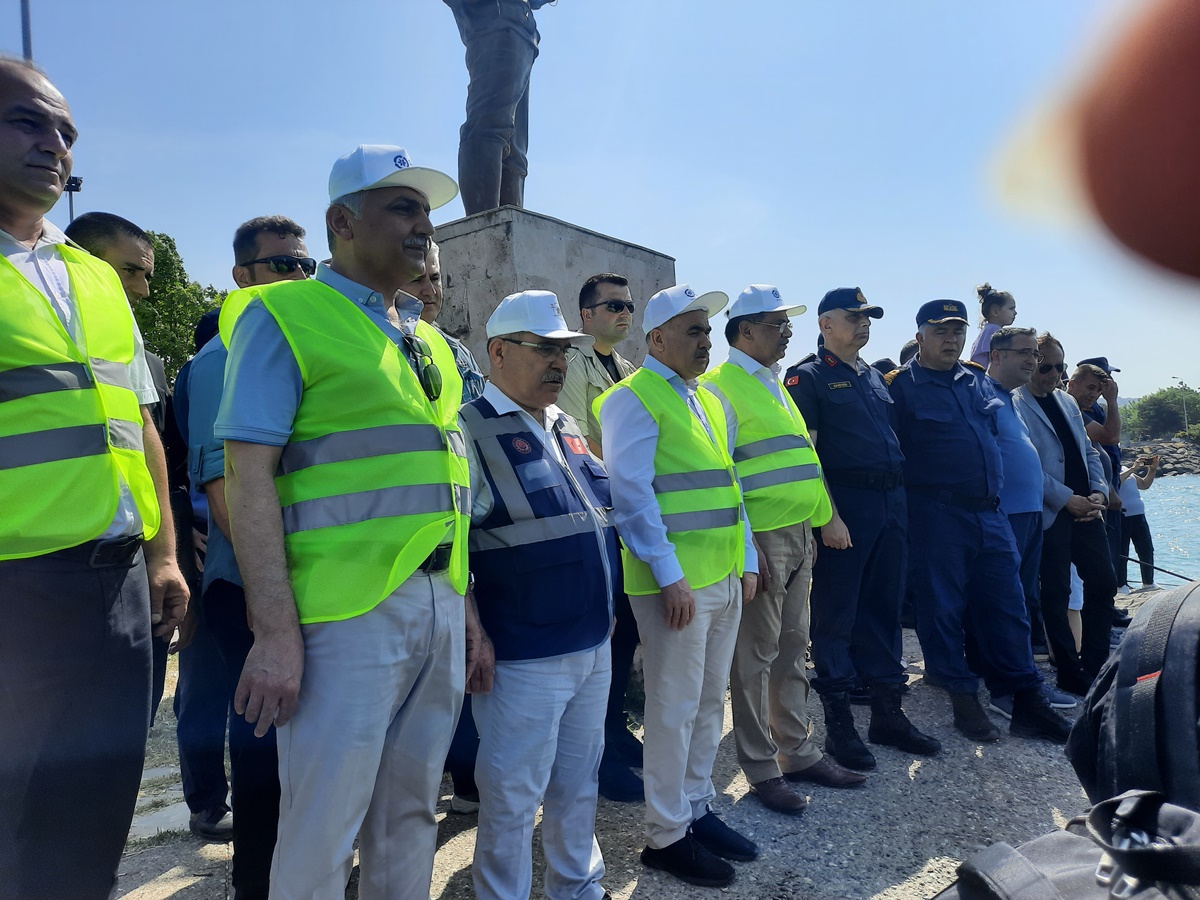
x,y
777,794
828,773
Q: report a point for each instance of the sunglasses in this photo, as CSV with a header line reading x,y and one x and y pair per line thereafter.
x,y
548,351
1046,368
289,264
427,371
614,306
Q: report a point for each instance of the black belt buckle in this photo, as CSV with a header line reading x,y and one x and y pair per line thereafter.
x,y
114,552
438,560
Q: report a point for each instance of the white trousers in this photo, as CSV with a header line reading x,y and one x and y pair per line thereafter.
x,y
541,736
363,755
686,674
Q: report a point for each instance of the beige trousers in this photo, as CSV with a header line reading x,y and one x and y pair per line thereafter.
x,y
769,683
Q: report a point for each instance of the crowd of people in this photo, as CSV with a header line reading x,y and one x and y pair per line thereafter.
x,y
408,566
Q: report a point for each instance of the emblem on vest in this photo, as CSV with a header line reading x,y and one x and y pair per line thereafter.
x,y
521,445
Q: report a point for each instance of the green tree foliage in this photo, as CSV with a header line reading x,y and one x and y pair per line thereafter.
x,y
169,315
1161,414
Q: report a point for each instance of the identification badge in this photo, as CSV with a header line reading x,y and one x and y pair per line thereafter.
x,y
836,385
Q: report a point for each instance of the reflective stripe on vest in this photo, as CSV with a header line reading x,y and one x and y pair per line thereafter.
x,y
775,460
374,477
694,484
70,425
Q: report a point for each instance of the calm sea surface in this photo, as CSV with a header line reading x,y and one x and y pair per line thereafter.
x,y
1173,511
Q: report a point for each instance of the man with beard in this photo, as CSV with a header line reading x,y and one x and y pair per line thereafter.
x,y
858,577
785,498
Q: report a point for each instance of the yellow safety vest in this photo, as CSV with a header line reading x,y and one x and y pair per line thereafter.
x,y
70,425
374,476
773,455
694,484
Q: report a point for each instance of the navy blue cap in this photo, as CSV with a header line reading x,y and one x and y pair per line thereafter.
x,y
1101,361
848,298
206,328
937,311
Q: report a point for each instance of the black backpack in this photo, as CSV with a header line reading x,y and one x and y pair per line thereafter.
x,y
1139,729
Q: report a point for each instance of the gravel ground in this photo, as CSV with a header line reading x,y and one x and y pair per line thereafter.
x,y
899,836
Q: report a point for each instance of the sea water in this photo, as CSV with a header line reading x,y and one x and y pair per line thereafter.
x,y
1173,512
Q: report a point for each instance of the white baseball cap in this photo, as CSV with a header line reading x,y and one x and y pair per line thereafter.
x,y
762,298
675,301
537,312
371,166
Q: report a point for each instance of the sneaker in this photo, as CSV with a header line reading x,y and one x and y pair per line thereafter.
x,y
213,825
1041,653
1058,699
1123,590
1151,586
465,804
1002,704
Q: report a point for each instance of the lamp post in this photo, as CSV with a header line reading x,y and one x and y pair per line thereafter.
x,y
26,32
1185,388
73,186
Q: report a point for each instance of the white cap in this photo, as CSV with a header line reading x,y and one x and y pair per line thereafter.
x,y
674,301
537,312
762,298
371,166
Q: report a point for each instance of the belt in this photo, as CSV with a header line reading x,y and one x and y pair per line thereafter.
x,y
962,501
865,479
106,554
438,560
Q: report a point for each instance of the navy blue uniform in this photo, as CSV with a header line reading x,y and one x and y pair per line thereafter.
x,y
856,592
963,557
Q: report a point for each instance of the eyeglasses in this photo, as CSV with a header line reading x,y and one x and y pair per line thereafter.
x,y
547,351
614,306
1024,353
1047,368
781,327
427,370
279,264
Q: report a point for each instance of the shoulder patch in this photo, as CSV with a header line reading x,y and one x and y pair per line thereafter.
x,y
891,376
971,364
792,380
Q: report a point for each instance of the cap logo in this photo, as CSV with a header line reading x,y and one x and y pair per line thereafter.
x,y
689,293
521,445
949,307
775,294
401,161
860,298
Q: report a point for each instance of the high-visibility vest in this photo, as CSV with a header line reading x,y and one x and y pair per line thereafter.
x,y
773,455
374,476
70,424
549,527
694,484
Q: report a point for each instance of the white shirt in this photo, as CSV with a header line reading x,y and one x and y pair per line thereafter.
x,y
44,268
630,438
768,375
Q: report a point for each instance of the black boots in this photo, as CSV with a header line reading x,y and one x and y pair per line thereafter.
x,y
841,740
891,727
970,719
1033,717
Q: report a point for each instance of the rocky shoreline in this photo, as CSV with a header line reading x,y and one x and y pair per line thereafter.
x,y
1178,457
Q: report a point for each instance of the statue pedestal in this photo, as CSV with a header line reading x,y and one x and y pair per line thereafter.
x,y
490,255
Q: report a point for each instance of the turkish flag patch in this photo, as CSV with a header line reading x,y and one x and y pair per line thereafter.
x,y
575,444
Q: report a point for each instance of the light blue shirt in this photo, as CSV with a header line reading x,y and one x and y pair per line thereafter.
x,y
629,436
263,385
1021,489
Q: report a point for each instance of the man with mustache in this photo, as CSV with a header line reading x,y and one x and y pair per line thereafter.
x,y
606,311
348,495
858,577
87,545
963,558
539,508
689,565
781,477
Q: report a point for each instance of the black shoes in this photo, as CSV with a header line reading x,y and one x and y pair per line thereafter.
x,y
627,748
717,837
1033,717
841,739
970,719
891,727
617,782
213,825
689,860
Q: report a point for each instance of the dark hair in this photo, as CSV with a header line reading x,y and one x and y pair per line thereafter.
x,y
733,326
591,287
990,298
908,351
1003,338
95,231
245,239
1047,338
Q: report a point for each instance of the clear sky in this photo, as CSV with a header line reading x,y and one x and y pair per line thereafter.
x,y
804,143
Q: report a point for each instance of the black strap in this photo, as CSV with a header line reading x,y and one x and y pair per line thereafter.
x,y
1148,838
1179,741
1005,874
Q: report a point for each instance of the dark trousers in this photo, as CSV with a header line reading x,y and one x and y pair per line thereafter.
x,y
1027,532
464,749
1086,545
965,568
501,41
75,707
1113,529
254,763
856,593
1136,530
624,642
202,710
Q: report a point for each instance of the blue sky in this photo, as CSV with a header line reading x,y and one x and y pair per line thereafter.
x,y
801,143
